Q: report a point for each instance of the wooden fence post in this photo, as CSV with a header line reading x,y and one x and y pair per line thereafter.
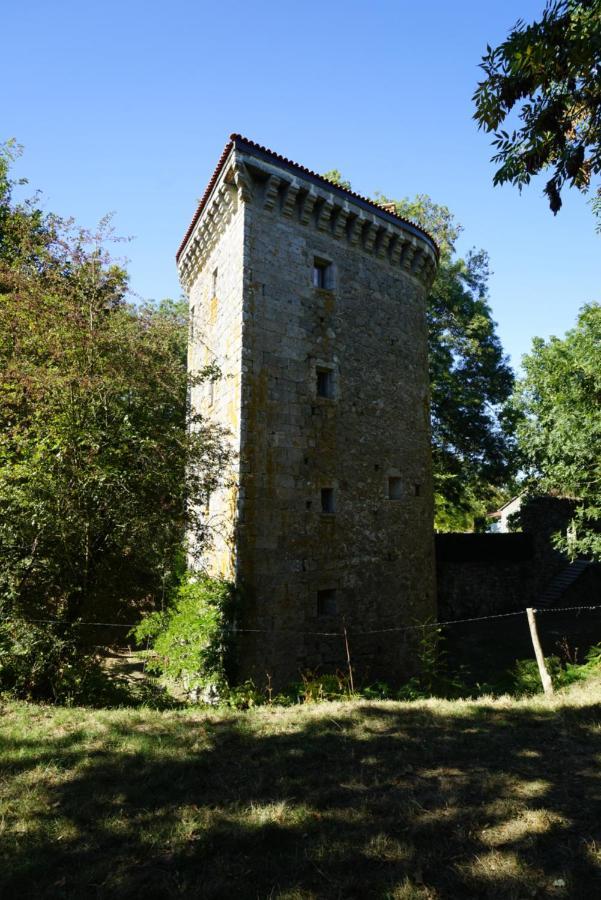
x,y
538,652
348,657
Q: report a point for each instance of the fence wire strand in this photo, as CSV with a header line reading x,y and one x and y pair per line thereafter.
x,y
393,629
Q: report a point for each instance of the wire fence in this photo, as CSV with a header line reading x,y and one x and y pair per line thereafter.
x,y
350,631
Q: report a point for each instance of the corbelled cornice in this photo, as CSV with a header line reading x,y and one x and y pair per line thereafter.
x,y
246,176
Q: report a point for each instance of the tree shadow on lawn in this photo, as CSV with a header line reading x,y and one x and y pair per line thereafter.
x,y
370,800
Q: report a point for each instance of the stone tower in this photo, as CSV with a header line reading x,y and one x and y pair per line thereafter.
x,y
312,300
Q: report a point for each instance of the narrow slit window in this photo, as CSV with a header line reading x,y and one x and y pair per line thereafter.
x,y
326,602
395,488
323,272
417,489
328,504
325,383
214,282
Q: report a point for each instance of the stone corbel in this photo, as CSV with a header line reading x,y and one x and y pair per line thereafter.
x,y
396,248
307,207
370,236
419,260
430,272
290,199
325,214
225,197
410,250
271,192
243,181
355,230
340,221
383,243
217,214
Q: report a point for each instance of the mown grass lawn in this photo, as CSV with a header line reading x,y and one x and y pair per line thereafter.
x,y
491,798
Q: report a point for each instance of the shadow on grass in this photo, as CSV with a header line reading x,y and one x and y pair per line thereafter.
x,y
117,691
372,800
116,679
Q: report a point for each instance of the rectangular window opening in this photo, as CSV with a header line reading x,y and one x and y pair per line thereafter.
x,y
326,602
395,488
323,274
325,383
328,501
417,490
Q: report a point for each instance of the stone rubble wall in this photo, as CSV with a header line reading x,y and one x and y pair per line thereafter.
x,y
377,554
271,330
216,315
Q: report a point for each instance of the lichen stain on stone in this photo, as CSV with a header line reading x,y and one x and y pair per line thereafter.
x,y
213,310
255,397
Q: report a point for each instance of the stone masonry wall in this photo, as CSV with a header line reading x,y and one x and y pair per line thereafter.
x,y
369,563
375,553
216,314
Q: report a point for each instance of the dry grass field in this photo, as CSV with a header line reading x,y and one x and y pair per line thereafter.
x,y
432,799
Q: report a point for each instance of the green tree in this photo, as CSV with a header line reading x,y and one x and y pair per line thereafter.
x,y
470,379
559,433
549,75
102,462
336,178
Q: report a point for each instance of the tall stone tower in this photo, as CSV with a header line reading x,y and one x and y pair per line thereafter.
x,y
312,300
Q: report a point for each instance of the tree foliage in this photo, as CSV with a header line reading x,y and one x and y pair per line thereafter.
x,y
549,73
470,379
193,639
335,176
101,458
559,433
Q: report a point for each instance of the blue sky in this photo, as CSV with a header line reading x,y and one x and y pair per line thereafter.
x,y
126,106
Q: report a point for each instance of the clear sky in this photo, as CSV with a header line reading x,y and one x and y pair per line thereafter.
x,y
126,106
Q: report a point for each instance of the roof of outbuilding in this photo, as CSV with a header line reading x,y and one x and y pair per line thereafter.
x,y
237,140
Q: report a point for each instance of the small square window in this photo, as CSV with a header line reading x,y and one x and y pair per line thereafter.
x,y
395,488
326,602
323,274
325,383
327,500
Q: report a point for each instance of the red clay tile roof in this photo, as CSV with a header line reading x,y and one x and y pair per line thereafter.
x,y
239,140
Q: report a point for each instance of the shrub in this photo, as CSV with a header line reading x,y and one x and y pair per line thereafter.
x,y
526,678
41,662
433,678
193,639
315,688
